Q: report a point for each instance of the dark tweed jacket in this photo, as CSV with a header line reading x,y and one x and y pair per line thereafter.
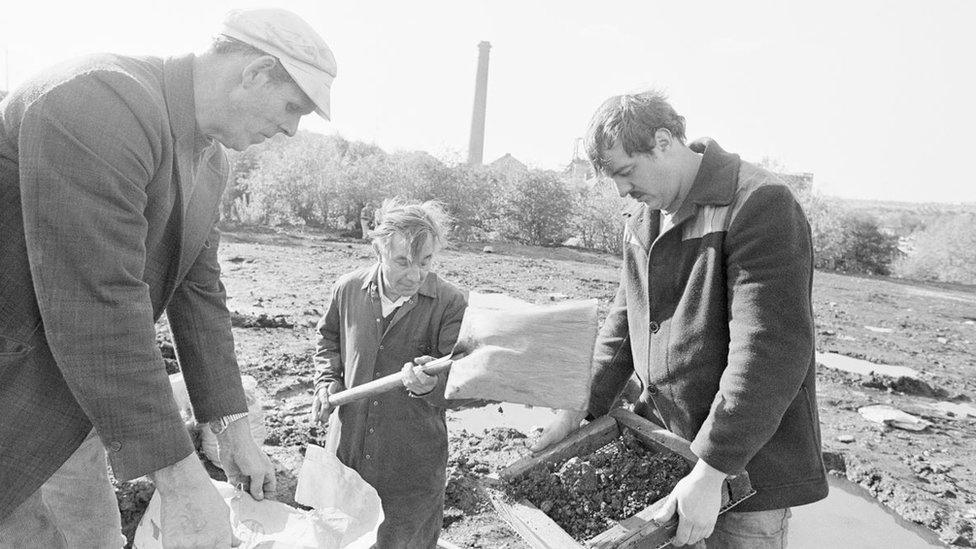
x,y
715,317
108,201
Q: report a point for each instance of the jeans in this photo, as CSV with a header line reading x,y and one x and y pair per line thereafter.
x,y
750,530
76,507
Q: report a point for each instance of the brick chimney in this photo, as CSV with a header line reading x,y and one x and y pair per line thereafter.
x,y
476,145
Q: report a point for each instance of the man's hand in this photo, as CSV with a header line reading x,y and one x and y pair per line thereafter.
x,y
321,409
565,423
192,513
697,499
415,379
244,462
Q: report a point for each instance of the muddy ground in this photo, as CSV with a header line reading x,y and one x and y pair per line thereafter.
x,y
278,286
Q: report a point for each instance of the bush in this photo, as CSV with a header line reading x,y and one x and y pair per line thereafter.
x,y
848,241
536,209
945,252
599,221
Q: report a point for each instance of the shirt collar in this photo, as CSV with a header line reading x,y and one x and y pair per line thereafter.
x,y
386,303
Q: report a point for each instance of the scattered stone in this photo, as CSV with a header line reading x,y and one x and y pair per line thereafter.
x,y
942,340
239,320
557,297
878,330
904,384
846,439
834,461
488,250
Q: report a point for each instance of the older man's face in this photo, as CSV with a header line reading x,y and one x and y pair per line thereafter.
x,y
403,270
259,109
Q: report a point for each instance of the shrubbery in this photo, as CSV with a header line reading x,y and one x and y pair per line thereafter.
x,y
324,181
316,180
536,209
848,241
945,251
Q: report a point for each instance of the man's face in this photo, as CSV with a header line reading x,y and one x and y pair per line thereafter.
x,y
261,109
404,272
646,177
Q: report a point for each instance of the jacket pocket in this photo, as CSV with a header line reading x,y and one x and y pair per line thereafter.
x,y
12,351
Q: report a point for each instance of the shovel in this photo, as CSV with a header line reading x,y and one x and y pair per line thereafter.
x,y
511,351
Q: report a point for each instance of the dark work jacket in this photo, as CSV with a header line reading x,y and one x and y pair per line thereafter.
x,y
398,443
714,315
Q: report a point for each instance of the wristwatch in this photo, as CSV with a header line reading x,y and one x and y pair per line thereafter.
x,y
220,425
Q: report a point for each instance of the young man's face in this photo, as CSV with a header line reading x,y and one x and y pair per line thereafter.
x,y
260,109
403,271
646,177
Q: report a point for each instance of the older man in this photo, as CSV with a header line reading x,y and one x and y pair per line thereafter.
x,y
714,316
379,319
111,170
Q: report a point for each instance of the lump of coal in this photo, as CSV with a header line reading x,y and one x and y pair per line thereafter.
x,y
587,495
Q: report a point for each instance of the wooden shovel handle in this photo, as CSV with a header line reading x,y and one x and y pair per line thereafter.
x,y
386,383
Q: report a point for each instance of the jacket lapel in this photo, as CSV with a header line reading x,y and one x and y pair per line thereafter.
x,y
199,195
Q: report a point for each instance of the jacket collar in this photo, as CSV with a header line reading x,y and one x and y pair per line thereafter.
x,y
372,282
717,176
714,185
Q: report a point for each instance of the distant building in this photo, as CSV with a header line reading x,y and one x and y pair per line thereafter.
x,y
579,173
509,167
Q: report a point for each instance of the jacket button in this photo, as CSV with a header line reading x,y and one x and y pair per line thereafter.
x,y
115,446
654,327
652,390
367,456
371,430
376,403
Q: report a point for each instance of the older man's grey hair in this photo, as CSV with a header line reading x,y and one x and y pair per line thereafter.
x,y
415,222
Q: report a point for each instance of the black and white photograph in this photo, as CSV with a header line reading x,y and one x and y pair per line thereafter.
x,y
307,274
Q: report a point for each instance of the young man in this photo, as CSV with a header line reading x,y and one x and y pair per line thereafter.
x,y
111,171
714,316
380,318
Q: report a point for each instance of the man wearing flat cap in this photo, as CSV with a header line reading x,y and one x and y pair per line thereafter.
x,y
111,171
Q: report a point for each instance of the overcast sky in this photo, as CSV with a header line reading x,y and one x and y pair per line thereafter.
x,y
876,97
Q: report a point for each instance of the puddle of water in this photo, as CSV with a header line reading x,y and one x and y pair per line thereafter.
x,y
516,416
863,367
959,410
850,517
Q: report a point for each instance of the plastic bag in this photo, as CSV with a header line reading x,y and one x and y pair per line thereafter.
x,y
330,487
255,416
263,524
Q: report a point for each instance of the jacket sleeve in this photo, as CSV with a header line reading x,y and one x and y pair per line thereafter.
x,y
204,341
328,352
771,333
613,362
447,335
88,149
